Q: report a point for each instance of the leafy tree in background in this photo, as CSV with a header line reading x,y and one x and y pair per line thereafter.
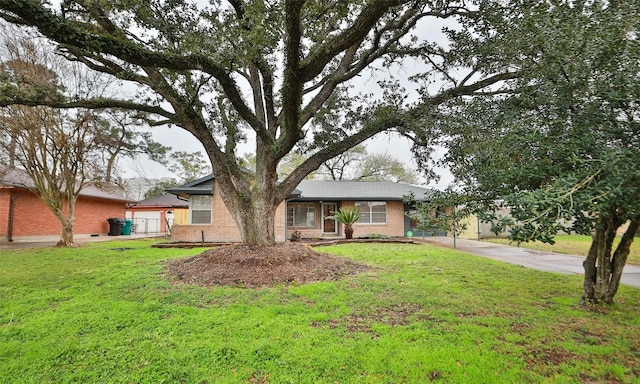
x,y
56,149
562,150
121,136
339,167
189,166
358,164
159,188
384,167
284,73
61,151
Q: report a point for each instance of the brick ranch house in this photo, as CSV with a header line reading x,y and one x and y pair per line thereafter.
x,y
24,216
381,205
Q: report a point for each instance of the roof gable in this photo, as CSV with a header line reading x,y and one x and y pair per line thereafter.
x,y
207,180
202,186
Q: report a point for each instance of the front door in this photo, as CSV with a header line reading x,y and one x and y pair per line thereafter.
x,y
329,226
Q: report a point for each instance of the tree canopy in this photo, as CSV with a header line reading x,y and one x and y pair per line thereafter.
x,y
561,149
287,75
120,135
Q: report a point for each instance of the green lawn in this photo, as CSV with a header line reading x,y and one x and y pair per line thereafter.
x,y
104,313
573,245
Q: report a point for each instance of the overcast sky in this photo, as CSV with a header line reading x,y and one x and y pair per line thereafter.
x,y
180,140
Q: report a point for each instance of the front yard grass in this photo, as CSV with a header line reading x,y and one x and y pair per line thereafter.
x,y
572,245
105,313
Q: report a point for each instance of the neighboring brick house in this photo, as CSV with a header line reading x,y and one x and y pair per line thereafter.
x,y
381,205
24,216
158,214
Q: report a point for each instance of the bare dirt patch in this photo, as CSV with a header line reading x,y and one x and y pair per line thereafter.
x,y
259,266
393,315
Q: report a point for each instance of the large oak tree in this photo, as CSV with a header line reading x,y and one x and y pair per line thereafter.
x,y
285,75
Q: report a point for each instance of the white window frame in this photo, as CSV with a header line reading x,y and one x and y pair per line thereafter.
x,y
310,216
367,214
194,201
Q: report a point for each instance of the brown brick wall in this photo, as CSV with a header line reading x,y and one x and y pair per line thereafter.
x,y
33,218
222,228
92,214
393,227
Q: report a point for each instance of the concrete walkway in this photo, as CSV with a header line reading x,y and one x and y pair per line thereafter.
x,y
540,260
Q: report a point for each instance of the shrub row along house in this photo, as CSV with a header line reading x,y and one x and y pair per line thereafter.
x,y
307,210
24,216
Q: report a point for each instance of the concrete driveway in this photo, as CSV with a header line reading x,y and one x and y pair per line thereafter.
x,y
543,261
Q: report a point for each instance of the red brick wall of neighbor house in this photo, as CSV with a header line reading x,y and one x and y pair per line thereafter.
x,y
33,218
5,197
222,228
393,227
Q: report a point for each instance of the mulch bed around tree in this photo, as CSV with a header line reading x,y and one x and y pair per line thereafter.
x,y
259,266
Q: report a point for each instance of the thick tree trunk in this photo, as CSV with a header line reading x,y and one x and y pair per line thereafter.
x,y
252,203
257,223
620,259
66,234
602,270
67,221
589,264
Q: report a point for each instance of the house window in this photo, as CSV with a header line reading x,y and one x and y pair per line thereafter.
x,y
200,209
301,215
372,212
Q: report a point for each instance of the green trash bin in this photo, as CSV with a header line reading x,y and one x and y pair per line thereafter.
x,y
126,227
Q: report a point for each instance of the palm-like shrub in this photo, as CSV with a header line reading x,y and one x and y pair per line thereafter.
x,y
348,217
